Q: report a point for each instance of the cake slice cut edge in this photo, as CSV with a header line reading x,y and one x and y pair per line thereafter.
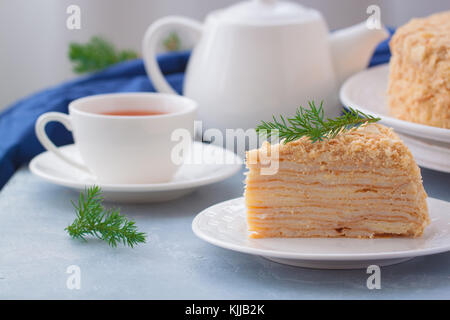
x,y
362,184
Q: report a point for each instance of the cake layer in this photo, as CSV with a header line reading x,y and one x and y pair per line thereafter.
x,y
361,181
374,223
337,214
383,230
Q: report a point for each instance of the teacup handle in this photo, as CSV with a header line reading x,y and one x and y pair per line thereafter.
x,y
47,143
150,43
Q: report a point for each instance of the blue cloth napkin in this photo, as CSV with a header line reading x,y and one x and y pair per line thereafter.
x,y
18,142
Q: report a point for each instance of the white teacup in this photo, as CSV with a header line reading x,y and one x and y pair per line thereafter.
x,y
123,149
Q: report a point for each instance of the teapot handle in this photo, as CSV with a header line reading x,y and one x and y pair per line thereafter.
x,y
151,40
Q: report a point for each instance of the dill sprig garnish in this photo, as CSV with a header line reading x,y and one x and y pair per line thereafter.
x,y
106,224
312,124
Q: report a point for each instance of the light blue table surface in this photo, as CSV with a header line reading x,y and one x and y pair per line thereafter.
x,y
35,253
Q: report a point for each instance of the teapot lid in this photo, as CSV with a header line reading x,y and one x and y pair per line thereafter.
x,y
263,12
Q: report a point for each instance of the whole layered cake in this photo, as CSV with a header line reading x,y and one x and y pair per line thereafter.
x,y
363,183
419,80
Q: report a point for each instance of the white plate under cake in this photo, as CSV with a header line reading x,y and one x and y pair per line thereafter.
x,y
224,225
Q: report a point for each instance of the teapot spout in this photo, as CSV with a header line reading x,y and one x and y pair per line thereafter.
x,y
352,48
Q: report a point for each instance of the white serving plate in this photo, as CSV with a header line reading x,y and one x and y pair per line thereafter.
x,y
428,154
367,91
224,225
210,164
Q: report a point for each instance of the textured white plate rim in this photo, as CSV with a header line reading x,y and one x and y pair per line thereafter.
x,y
301,256
421,152
416,129
175,185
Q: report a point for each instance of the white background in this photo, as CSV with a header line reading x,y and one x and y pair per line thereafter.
x,y
34,38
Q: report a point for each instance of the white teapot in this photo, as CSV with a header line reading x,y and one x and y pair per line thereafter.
x,y
261,58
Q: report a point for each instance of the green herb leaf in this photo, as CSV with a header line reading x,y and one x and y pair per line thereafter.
x,y
311,123
172,42
92,219
96,55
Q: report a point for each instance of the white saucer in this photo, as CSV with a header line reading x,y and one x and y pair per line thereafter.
x,y
367,91
209,164
224,225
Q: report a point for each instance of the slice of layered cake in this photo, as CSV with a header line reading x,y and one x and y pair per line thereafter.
x,y
362,183
419,78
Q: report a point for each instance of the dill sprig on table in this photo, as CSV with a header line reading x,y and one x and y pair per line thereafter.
x,y
106,224
312,123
